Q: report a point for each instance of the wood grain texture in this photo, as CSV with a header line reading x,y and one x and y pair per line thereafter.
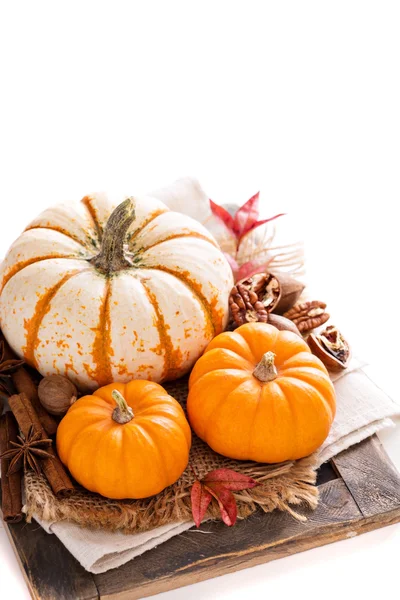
x,y
372,479
51,572
366,498
193,557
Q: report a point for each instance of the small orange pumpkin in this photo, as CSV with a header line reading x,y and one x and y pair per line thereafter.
x,y
126,440
259,394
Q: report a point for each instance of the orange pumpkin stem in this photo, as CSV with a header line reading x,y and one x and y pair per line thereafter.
x,y
266,370
112,257
122,413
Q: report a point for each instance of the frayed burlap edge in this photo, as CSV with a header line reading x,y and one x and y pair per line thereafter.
x,y
283,486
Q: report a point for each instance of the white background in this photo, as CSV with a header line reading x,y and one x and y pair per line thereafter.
x,y
298,99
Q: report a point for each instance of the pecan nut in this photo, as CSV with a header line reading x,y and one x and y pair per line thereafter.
x,y
308,315
245,306
253,298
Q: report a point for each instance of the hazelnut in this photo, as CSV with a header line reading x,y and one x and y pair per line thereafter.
x,y
282,323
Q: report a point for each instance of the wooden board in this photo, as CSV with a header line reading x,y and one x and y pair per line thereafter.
x,y
359,491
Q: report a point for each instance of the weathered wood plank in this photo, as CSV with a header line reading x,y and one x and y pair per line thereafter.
x,y
368,497
370,476
51,572
326,473
193,556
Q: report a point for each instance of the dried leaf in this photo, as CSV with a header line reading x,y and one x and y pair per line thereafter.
x,y
226,502
219,484
248,269
230,479
222,213
262,222
200,498
246,216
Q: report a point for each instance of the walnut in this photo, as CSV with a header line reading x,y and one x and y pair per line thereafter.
x,y
308,315
253,298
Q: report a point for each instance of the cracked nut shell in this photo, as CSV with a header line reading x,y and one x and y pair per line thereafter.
x,y
291,290
331,348
251,299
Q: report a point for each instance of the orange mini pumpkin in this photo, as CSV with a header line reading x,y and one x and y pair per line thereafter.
x,y
126,440
258,393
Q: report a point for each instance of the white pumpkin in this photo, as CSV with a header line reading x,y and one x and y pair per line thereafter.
x,y
101,291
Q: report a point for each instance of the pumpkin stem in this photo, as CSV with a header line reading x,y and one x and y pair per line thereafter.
x,y
112,257
266,370
122,413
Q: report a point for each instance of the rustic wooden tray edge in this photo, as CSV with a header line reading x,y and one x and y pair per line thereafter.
x,y
365,495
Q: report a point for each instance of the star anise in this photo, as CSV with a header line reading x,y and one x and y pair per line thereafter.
x,y
7,368
27,452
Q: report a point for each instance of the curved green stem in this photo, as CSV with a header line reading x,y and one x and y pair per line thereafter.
x,y
122,413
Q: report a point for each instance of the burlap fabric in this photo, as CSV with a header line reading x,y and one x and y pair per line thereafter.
x,y
284,486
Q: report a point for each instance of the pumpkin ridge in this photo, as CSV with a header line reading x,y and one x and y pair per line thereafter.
x,y
176,236
59,230
20,266
252,426
154,215
154,442
102,347
292,412
86,201
172,356
194,287
325,403
219,406
42,307
235,337
235,371
303,374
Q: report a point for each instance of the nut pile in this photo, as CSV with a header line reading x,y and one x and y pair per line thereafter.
x,y
274,299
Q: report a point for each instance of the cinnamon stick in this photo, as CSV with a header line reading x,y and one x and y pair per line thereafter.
x,y
11,496
52,468
8,353
24,384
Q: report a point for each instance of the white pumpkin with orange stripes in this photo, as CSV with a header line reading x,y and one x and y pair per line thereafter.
x,y
104,291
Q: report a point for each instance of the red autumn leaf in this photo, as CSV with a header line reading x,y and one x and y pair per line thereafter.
x,y
219,484
246,216
200,498
249,269
232,262
222,213
263,221
226,502
230,479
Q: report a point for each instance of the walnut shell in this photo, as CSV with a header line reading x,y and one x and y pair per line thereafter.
x,y
318,344
282,323
291,290
56,394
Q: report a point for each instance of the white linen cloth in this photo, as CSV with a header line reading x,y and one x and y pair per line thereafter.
x,y
362,410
